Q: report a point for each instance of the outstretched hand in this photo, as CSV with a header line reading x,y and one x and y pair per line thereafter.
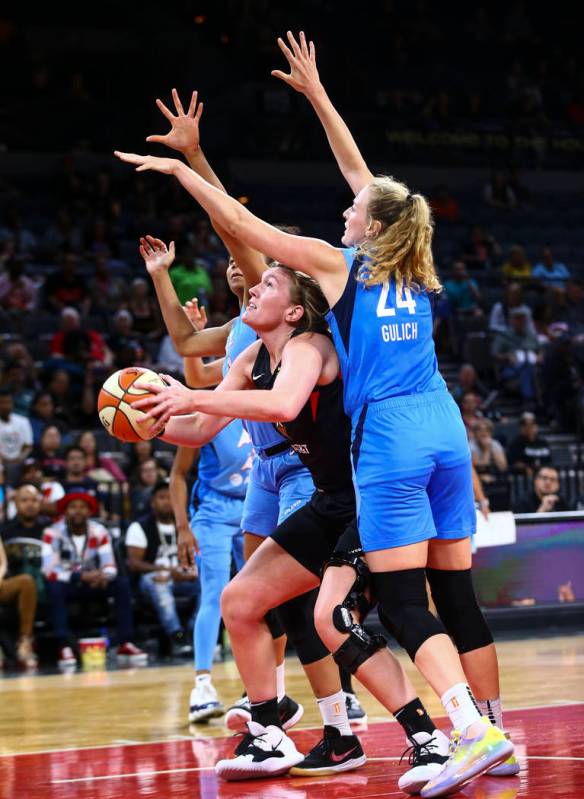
x,y
174,399
184,128
196,315
157,256
302,61
145,162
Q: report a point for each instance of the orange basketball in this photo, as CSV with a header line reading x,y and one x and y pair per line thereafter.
x,y
114,407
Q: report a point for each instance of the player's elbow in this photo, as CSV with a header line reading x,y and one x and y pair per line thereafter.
x,y
287,409
234,223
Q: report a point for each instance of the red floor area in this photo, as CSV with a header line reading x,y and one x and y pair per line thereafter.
x,y
549,743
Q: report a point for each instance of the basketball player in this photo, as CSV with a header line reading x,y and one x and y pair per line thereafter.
x,y
409,449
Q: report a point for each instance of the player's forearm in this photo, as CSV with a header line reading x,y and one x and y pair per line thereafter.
x,y
202,375
259,406
193,430
345,150
179,328
202,167
178,499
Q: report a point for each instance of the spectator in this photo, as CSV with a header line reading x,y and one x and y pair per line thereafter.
x,y
141,451
190,278
79,565
19,380
499,318
48,452
544,496
144,310
108,292
148,475
17,291
50,489
463,292
528,451
470,409
65,287
569,308
562,382
498,193
15,431
516,267
124,342
75,478
99,467
482,249
42,414
151,543
467,381
71,326
62,235
28,522
59,384
488,455
444,207
517,352
21,590
552,273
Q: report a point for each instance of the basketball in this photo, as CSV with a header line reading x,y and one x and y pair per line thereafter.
x,y
114,406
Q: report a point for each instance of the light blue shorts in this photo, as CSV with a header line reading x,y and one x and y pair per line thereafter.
x,y
216,522
412,471
278,486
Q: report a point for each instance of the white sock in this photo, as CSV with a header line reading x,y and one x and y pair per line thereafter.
x,y
281,680
491,708
460,705
202,679
333,710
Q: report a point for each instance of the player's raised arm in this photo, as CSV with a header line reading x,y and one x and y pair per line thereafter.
x,y
315,257
304,78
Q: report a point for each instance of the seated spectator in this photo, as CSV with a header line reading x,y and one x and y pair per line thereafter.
x,y
50,489
467,381
62,235
124,342
71,325
65,287
499,319
498,193
528,451
15,431
562,382
190,277
481,250
147,476
516,267
569,307
488,455
108,292
544,496
99,467
552,273
42,414
444,207
151,544
79,565
59,385
141,451
144,309
17,291
48,454
76,480
22,385
517,352
463,292
470,404
28,521
20,590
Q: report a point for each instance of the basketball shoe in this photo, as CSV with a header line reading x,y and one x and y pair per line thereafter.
x,y
204,703
332,754
239,714
128,654
264,752
468,758
508,768
355,710
427,756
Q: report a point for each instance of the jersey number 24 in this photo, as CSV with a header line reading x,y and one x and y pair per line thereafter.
x,y
403,299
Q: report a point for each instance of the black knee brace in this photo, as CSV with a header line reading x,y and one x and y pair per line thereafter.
x,y
356,597
403,608
274,623
359,646
454,596
297,616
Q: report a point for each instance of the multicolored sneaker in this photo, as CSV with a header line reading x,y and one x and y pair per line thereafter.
x,y
426,756
204,703
264,752
239,714
332,754
468,758
508,768
355,710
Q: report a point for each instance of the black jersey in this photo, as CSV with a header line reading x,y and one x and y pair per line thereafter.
x,y
320,434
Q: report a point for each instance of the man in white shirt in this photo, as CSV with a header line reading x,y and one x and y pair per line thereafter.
x,y
152,556
15,430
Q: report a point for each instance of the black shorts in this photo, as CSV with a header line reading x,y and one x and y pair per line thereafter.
x,y
313,532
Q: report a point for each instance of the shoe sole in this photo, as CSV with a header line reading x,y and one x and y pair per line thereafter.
x,y
350,765
504,770
237,718
232,773
205,715
132,660
476,770
358,719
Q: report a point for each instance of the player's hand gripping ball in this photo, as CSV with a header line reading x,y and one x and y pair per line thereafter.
x,y
114,407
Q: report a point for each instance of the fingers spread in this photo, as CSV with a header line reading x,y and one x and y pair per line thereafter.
x,y
294,44
193,104
157,138
177,103
276,73
287,52
166,111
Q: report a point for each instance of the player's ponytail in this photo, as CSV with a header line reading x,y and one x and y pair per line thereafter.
x,y
305,291
403,246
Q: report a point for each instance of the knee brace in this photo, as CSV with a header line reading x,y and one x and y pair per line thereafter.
x,y
356,597
274,623
455,599
403,608
359,646
297,616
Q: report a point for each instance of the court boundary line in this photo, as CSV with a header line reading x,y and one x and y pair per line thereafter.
x,y
181,737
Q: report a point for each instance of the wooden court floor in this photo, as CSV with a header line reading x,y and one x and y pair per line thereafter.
x,y
63,721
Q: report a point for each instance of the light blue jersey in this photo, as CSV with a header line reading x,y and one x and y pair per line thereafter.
x,y
225,463
262,434
384,340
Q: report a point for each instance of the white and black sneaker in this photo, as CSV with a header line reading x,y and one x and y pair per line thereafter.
x,y
426,756
355,710
238,715
264,752
204,703
332,754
